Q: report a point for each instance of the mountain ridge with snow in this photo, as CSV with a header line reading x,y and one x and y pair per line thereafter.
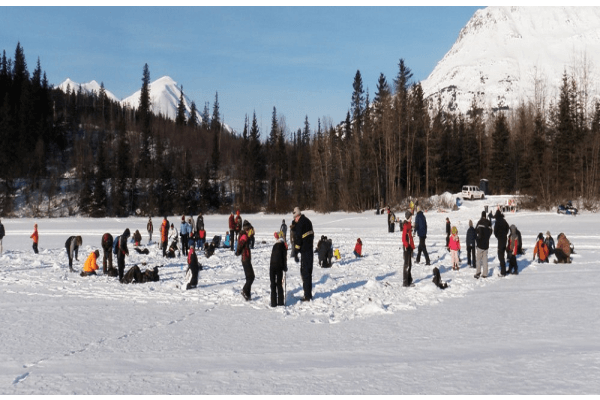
x,y
508,55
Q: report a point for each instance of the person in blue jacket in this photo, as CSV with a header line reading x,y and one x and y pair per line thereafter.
x,y
184,233
421,230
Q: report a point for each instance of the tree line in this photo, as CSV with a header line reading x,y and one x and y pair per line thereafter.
x,y
93,156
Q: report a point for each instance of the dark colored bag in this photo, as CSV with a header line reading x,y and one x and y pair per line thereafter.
x,y
437,279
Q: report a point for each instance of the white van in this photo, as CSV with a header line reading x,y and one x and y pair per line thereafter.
x,y
472,192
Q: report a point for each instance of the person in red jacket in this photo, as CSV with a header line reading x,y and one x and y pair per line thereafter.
x,y
408,246
35,236
231,229
454,246
358,248
238,225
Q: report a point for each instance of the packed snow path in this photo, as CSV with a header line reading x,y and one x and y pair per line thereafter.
x,y
534,333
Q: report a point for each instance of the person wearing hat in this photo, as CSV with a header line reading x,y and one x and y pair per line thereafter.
x,y
90,266
408,246
283,229
122,251
303,243
277,267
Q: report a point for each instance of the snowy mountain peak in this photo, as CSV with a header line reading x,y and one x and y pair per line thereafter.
x,y
504,52
164,96
86,87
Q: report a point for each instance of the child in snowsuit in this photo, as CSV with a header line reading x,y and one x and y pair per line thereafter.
x,y
90,266
35,236
454,246
541,250
511,251
408,246
358,248
277,267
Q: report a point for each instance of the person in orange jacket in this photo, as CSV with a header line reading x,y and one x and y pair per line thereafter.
x,y
164,234
35,236
541,249
408,246
358,248
90,266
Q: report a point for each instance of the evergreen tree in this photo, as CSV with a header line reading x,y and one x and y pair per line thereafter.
x,y
215,122
193,121
500,168
358,101
145,113
206,117
180,118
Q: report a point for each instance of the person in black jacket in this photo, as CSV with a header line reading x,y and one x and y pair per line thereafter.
x,y
471,236
194,266
501,232
278,266
483,233
122,251
303,243
72,245
448,232
107,257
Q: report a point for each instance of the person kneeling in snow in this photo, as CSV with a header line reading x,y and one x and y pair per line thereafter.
x,y
563,249
90,266
358,248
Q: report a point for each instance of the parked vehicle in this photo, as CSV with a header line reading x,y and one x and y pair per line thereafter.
x,y
472,192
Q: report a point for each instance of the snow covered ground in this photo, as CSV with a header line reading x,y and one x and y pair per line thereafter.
x,y
535,333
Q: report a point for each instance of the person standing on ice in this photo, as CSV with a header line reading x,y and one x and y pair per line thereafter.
x,y
243,249
277,266
391,220
448,232
421,230
238,225
164,236
194,267
471,236
512,250
483,232
184,232
454,246
283,229
150,229
231,230
1,236
36,237
107,257
408,246
303,243
501,232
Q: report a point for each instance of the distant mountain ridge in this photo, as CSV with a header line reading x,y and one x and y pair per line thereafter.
x,y
502,51
164,96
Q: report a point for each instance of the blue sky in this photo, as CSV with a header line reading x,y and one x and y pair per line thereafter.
x,y
301,60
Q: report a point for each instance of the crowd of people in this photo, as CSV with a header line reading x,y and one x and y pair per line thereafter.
x,y
478,242
240,238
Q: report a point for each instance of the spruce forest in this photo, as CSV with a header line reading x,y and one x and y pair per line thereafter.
x,y
80,153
